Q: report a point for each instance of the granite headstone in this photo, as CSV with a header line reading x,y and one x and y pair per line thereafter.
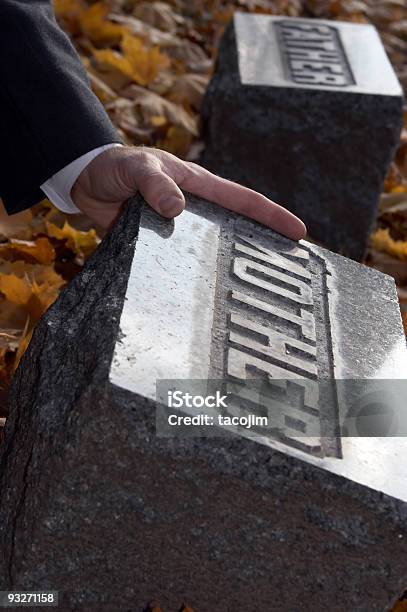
x,y
102,502
309,113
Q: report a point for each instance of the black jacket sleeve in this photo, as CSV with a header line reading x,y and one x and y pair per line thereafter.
x,y
48,114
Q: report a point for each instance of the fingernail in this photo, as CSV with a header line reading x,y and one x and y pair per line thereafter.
x,y
171,206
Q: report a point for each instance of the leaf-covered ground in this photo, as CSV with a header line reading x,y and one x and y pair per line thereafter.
x,y
149,64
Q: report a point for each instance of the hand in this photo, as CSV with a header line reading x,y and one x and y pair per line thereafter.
x,y
118,173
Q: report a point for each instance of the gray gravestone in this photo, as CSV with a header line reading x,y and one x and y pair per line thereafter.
x,y
309,113
106,503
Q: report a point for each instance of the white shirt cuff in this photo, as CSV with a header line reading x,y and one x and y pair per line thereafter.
x,y
58,187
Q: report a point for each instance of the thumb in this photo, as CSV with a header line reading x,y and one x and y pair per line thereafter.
x,y
161,193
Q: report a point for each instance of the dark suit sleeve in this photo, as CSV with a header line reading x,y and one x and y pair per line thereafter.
x,y
48,114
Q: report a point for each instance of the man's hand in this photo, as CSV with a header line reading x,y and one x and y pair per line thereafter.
x,y
118,173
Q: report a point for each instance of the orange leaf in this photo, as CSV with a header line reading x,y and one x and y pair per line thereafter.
x,y
382,241
40,250
115,65
97,28
177,141
15,289
22,347
81,243
146,63
20,280
67,8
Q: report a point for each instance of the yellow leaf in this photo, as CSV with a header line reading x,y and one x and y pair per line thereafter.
x,y
158,120
97,28
81,243
40,250
177,141
31,272
67,8
382,241
145,62
399,189
113,63
15,289
22,347
68,12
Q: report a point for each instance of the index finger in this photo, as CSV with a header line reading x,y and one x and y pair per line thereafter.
x,y
242,200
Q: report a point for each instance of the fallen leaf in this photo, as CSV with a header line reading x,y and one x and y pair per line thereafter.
x,y
177,141
145,62
146,32
16,289
11,315
157,14
105,93
190,57
115,69
22,347
149,104
67,8
40,250
81,243
125,117
382,241
17,225
188,90
95,25
389,200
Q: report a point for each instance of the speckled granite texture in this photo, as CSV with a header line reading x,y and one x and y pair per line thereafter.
x,y
94,505
322,153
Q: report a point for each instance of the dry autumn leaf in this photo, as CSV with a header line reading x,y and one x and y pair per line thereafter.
x,y
97,27
40,250
67,8
105,93
22,347
124,116
147,33
17,226
20,280
188,90
145,62
177,141
17,290
81,243
137,63
382,241
150,104
157,14
113,67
